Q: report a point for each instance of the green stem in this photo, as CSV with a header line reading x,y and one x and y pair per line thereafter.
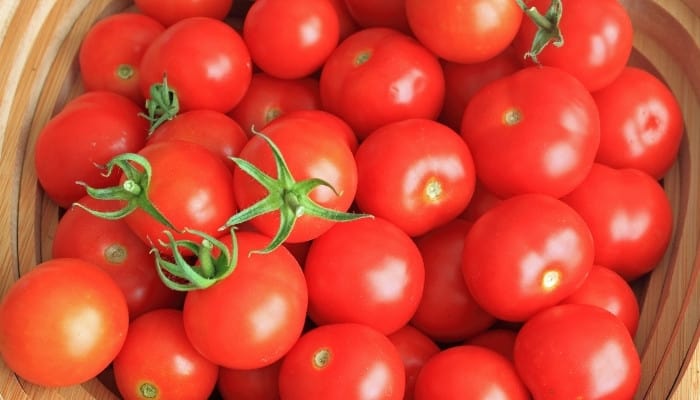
x,y
547,27
162,105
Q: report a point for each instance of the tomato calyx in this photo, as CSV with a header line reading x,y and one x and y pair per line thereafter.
x,y
162,105
548,27
286,195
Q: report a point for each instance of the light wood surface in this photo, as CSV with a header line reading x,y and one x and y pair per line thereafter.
x,y
39,40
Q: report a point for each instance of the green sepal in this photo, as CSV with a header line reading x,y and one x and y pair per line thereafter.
x,y
547,27
162,104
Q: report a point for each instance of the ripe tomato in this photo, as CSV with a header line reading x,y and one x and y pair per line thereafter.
x,y
535,131
62,323
379,75
482,200
204,73
415,349
452,374
575,351
641,124
332,123
514,270
111,51
157,361
342,362
464,31
171,11
629,216
250,384
365,271
416,173
347,24
387,14
447,311
258,311
291,39
499,340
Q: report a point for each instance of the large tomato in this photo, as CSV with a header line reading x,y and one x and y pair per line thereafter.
x,y
62,323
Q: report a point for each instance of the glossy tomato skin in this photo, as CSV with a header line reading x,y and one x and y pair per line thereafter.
x,y
345,362
514,270
250,384
447,311
158,361
291,39
64,312
559,356
379,75
597,36
172,11
365,271
205,73
452,374
259,310
415,349
629,216
112,246
111,51
535,131
416,173
641,123
87,133
456,30
372,14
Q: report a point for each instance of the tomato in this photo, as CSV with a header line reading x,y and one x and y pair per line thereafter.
x,y
343,362
85,135
416,173
387,14
250,384
111,51
157,361
204,73
268,98
535,131
464,31
447,311
379,75
346,22
171,11
482,200
364,271
577,351
451,374
597,40
291,39
629,216
258,311
415,349
499,340
641,123
62,323
526,254
333,124
608,290
112,246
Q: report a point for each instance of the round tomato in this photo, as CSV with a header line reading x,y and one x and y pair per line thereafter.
x,y
342,362
415,349
499,340
482,200
347,24
387,14
332,123
62,323
157,361
250,384
169,12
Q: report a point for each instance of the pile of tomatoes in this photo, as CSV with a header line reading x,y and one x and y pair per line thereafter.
x,y
350,199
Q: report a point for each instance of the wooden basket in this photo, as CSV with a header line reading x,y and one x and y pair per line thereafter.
x,y
39,42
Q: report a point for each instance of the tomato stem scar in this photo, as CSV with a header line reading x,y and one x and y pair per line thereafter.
x,y
321,358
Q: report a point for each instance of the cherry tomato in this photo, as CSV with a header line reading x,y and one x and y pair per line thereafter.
x,y
499,340
250,384
62,323
482,200
169,12
415,349
347,24
157,361
387,14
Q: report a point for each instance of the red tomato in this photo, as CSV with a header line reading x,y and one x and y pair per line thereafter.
x,y
535,131
447,311
629,216
415,349
386,13
86,134
597,40
205,73
250,384
526,254
268,98
482,200
291,39
379,75
169,12
347,24
416,173
113,247
111,51
62,323
342,362
577,351
641,124
259,310
157,361
464,31
332,123
365,271
608,290
497,339
469,372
